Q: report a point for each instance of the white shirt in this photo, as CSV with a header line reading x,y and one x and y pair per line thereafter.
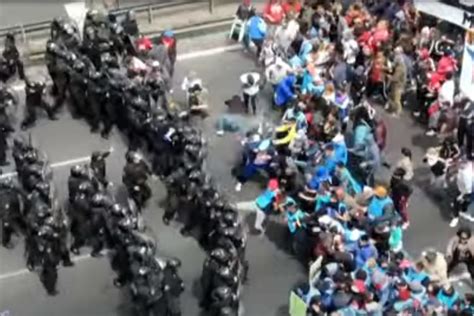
x,y
351,49
253,89
277,71
446,92
464,179
189,83
286,35
406,164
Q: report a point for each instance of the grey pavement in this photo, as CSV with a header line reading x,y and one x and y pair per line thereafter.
x,y
87,289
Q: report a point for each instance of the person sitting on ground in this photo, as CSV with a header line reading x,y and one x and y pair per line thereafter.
x,y
435,265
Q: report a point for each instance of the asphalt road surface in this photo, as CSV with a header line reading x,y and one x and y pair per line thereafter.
x,y
87,289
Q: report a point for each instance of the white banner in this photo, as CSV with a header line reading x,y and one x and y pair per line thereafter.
x,y
466,81
77,13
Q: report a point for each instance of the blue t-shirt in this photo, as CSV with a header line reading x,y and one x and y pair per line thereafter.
x,y
265,199
293,218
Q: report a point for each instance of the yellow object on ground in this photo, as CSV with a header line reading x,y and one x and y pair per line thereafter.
x,y
284,134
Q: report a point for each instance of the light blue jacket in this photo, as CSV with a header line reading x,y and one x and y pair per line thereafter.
x,y
256,28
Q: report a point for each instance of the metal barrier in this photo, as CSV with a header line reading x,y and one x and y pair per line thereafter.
x,y
32,37
141,8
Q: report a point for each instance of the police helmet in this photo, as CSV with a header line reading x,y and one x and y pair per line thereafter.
x,y
222,293
45,230
231,218
43,187
173,263
117,210
42,210
85,187
78,65
227,311
133,157
219,254
51,47
77,171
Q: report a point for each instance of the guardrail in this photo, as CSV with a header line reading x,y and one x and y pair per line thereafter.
x,y
141,8
33,35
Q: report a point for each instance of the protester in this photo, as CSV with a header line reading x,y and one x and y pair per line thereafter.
x,y
400,191
461,250
318,71
464,188
257,29
435,266
250,88
406,164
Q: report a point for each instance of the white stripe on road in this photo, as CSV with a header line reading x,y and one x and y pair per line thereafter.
x,y
460,277
246,206
21,272
57,164
202,53
209,52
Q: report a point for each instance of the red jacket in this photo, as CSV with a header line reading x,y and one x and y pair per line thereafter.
x,y
273,13
144,43
381,134
292,7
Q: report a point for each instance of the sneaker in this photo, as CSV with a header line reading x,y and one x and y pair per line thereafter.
x,y
416,114
238,187
405,225
454,222
430,133
220,133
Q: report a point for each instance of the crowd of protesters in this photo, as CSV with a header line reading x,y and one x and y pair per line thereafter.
x,y
334,67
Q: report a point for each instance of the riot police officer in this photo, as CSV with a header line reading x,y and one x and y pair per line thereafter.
x,y
98,167
5,131
7,99
99,211
176,190
224,301
217,259
77,88
173,286
135,177
49,259
35,98
12,56
10,211
81,193
95,97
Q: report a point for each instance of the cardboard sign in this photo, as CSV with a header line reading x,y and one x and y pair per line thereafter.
x,y
77,13
297,306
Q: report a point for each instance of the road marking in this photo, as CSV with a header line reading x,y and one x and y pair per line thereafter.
x,y
24,271
57,164
246,206
460,277
209,52
202,53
